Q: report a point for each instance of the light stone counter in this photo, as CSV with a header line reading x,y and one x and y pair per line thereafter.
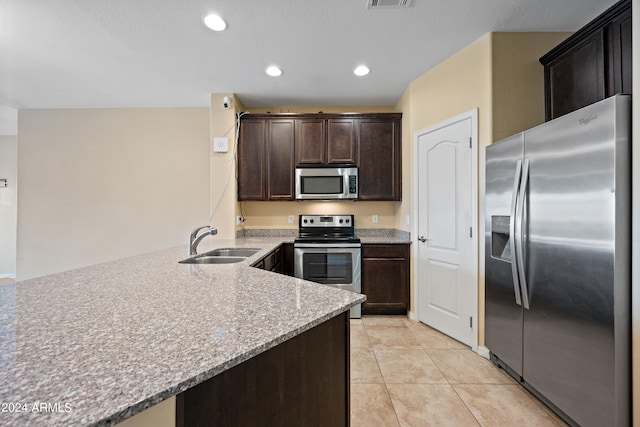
x,y
99,344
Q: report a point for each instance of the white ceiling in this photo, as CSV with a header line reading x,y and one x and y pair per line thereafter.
x,y
157,53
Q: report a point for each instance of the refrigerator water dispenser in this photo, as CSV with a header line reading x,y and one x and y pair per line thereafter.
x,y
500,247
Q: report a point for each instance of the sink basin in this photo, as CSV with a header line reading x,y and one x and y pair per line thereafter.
x,y
221,256
216,259
233,252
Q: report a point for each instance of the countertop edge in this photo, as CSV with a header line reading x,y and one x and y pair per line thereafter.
x,y
140,406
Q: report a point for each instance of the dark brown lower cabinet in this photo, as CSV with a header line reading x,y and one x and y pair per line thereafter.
x,y
385,278
279,260
302,382
287,259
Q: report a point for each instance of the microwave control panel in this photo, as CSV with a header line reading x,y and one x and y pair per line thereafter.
x,y
353,184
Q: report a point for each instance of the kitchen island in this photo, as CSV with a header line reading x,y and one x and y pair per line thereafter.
x,y
97,345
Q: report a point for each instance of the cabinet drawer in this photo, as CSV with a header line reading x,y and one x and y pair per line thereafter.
x,y
273,260
384,251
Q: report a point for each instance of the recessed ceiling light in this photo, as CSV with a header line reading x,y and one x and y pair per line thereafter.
x,y
215,22
361,70
273,71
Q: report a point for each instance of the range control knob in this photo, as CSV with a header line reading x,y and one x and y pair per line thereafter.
x,y
305,221
341,221
348,220
311,221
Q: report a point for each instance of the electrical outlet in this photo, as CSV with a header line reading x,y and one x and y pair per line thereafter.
x,y
290,219
374,218
239,220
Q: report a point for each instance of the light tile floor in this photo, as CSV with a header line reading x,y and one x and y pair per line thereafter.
x,y
404,373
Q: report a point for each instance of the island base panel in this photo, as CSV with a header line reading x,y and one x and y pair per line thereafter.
x,y
303,381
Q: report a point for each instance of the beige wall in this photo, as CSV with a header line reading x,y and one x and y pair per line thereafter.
x,y
8,205
404,214
518,80
224,205
275,214
102,184
635,251
499,74
459,84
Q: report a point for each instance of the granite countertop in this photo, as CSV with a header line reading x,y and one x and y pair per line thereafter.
x,y
96,345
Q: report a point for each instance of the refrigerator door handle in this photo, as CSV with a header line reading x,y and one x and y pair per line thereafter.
x,y
519,235
512,232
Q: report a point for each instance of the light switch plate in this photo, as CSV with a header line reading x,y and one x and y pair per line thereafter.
x,y
220,145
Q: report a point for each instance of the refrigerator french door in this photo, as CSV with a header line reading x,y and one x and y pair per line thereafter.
x,y
557,239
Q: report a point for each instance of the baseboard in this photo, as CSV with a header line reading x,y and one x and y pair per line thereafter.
x,y
7,276
483,351
412,316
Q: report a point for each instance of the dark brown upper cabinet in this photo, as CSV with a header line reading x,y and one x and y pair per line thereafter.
x,y
325,141
380,157
271,145
266,159
311,141
341,141
591,65
252,168
280,159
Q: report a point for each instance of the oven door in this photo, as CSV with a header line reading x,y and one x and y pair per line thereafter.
x,y
337,265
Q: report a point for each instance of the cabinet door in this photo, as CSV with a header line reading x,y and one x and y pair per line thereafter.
x,y
385,278
280,159
576,79
385,274
379,159
287,259
341,141
619,55
251,160
310,142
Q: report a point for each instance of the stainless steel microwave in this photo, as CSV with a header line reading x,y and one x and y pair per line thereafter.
x,y
327,183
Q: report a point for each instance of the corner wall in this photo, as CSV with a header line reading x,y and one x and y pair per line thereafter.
x,y
8,205
102,184
501,76
635,237
223,206
459,84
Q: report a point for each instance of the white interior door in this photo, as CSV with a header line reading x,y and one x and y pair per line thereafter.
x,y
446,280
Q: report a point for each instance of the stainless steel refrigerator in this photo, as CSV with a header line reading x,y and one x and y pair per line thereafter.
x,y
557,251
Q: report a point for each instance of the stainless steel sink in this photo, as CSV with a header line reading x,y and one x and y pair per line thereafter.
x,y
233,252
215,259
221,256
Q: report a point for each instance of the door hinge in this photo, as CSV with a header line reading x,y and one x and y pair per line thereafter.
x,y
471,322
471,232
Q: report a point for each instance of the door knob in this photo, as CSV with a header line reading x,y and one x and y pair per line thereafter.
x,y
422,239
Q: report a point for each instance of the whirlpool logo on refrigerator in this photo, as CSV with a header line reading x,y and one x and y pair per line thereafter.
x,y
588,119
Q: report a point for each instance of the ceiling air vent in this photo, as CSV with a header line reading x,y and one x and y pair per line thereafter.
x,y
389,4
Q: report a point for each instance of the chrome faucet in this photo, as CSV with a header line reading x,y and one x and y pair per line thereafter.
x,y
197,235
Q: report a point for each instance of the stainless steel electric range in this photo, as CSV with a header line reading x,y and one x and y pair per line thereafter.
x,y
327,251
